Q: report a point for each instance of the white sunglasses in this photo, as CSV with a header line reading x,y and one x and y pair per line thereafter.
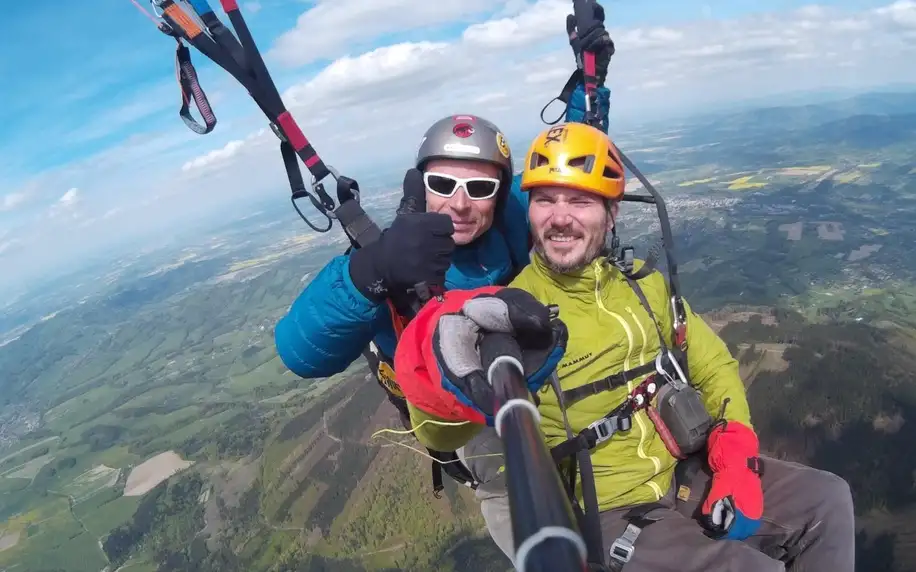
x,y
477,188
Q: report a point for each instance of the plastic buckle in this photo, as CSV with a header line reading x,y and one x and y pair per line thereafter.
x,y
622,550
604,428
629,258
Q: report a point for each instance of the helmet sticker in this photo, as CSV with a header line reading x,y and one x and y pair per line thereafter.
x,y
555,135
502,145
461,148
463,130
464,118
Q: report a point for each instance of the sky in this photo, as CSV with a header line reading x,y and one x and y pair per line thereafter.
x,y
95,155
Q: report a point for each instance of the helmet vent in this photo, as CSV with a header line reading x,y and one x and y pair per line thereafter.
x,y
538,160
610,173
584,163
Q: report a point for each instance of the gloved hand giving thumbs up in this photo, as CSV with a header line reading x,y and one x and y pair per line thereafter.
x,y
416,248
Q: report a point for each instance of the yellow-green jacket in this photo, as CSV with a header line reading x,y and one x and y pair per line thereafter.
x,y
609,332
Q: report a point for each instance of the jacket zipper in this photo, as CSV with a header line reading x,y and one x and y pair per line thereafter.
x,y
640,422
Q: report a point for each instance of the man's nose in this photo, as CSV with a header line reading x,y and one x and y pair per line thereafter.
x,y
460,201
560,215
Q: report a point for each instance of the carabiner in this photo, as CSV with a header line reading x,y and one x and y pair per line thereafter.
x,y
157,4
681,381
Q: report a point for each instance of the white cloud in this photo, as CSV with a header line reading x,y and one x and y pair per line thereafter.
x,y
366,111
490,97
66,205
333,27
70,198
545,19
651,84
382,73
849,25
641,38
214,157
901,13
11,201
372,108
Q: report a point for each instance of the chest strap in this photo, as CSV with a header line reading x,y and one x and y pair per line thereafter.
x,y
618,419
611,382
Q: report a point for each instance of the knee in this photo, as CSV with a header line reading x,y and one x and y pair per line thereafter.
x,y
833,493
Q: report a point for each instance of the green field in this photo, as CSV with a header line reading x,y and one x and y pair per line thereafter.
x,y
802,225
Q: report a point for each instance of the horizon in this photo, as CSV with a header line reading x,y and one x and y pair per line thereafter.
x,y
123,165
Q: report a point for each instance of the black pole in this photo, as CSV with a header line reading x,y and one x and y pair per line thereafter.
x,y
543,526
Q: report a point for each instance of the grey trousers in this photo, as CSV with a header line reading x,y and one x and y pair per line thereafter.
x,y
491,492
808,521
808,525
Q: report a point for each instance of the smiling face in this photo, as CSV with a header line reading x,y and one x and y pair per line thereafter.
x,y
569,226
471,217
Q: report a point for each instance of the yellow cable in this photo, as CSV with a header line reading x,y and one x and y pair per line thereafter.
x,y
434,422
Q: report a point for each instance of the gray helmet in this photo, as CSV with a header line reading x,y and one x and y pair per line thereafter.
x,y
466,137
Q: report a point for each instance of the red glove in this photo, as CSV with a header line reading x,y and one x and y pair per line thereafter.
x,y
734,506
416,367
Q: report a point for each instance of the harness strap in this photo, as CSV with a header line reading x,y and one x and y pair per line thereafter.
x,y
241,58
608,383
637,289
589,522
438,485
619,419
565,94
680,327
623,548
620,379
449,462
191,90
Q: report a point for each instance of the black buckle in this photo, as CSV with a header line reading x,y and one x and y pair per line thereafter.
x,y
755,464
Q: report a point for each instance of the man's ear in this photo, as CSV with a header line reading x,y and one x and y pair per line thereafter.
x,y
612,210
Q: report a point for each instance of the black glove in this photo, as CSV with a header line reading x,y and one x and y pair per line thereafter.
x,y
460,339
591,36
416,248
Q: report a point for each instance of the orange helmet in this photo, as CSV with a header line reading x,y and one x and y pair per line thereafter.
x,y
577,156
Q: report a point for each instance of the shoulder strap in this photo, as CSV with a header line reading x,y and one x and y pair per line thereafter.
x,y
590,525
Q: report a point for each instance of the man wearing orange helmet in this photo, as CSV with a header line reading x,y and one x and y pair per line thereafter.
x,y
643,412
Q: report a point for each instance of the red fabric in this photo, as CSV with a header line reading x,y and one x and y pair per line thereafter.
x,y
730,446
415,365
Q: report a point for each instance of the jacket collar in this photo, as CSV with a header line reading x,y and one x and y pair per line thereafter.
x,y
583,281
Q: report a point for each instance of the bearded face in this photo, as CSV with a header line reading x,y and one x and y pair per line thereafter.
x,y
569,226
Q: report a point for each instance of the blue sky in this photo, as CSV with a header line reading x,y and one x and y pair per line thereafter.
x,y
91,138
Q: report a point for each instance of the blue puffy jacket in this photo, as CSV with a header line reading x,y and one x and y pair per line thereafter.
x,y
331,322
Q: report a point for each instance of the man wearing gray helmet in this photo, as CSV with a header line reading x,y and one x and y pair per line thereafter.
x,y
468,227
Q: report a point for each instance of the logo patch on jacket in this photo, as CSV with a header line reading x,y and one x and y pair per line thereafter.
x,y
576,360
385,376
